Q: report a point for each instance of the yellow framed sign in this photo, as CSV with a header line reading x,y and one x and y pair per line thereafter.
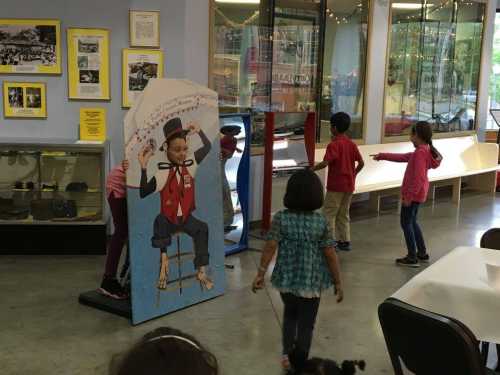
x,y
24,99
30,46
138,67
93,124
88,64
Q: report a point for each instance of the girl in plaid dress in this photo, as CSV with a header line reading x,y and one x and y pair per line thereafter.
x,y
306,263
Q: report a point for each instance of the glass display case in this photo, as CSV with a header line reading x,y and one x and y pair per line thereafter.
x,y
344,64
51,183
265,57
433,65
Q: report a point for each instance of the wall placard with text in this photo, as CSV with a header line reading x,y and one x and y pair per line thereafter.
x,y
88,64
139,66
93,124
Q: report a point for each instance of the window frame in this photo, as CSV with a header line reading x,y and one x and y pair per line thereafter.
x,y
460,133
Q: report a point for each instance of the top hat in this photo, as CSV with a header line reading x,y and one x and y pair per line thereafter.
x,y
230,130
171,128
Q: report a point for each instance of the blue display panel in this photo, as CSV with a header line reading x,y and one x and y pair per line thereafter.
x,y
235,170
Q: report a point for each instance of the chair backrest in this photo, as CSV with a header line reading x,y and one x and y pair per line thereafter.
x,y
491,239
425,343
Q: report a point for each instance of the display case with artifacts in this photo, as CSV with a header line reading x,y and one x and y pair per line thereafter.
x,y
57,185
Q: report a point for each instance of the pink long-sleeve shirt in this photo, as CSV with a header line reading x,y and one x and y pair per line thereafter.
x,y
415,182
116,182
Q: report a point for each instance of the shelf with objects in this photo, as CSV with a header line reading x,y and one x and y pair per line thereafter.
x,y
433,67
290,140
52,189
235,168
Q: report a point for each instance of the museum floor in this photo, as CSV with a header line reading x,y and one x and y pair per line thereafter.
x,y
44,330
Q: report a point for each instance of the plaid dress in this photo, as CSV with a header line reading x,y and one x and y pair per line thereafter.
x,y
301,267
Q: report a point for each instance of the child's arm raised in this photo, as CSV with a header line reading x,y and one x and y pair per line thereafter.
x,y
203,151
146,187
333,266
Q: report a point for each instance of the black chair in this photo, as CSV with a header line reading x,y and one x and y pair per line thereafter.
x,y
490,240
428,344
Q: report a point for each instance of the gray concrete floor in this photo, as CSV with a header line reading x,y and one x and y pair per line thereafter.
x,y
43,329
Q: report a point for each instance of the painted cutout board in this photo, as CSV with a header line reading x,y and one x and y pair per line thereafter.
x,y
174,198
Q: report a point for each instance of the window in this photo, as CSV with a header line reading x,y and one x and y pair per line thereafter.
x,y
494,99
344,63
433,65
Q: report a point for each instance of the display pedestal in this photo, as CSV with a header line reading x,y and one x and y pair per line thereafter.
x,y
100,302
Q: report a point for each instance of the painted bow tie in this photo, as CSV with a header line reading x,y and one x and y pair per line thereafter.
x,y
167,165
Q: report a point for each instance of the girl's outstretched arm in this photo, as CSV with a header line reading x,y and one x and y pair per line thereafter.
x,y
398,158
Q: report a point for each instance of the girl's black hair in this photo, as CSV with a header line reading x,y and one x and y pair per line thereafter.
x,y
304,191
154,355
423,130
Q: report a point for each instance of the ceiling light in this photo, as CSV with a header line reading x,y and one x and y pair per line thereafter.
x,y
238,1
409,5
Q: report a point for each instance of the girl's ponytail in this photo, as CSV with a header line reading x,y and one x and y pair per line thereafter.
x,y
423,130
435,153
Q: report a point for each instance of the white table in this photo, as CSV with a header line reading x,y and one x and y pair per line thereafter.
x,y
457,286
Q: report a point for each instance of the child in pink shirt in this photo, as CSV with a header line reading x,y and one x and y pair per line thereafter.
x,y
116,192
415,188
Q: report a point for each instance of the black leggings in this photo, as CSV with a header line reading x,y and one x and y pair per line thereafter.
x,y
298,322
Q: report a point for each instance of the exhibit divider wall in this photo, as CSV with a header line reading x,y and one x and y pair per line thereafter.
x,y
290,139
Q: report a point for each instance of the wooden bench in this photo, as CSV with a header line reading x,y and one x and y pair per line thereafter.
x,y
462,157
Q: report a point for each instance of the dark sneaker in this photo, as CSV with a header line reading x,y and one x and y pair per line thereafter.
x,y
424,258
408,262
111,288
344,246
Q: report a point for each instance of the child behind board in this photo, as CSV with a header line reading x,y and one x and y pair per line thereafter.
x,y
344,162
306,264
414,190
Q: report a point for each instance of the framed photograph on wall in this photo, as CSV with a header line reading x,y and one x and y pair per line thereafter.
x,y
88,64
138,67
144,28
30,46
24,100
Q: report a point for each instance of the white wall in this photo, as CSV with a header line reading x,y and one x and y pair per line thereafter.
x,y
184,39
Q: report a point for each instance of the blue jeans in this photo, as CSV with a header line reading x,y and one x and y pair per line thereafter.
x,y
413,234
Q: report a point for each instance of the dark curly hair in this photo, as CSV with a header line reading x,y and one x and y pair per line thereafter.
x,y
168,351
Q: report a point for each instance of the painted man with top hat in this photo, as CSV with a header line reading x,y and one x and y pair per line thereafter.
x,y
175,182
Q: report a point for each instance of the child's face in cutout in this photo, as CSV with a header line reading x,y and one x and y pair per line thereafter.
x,y
177,151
